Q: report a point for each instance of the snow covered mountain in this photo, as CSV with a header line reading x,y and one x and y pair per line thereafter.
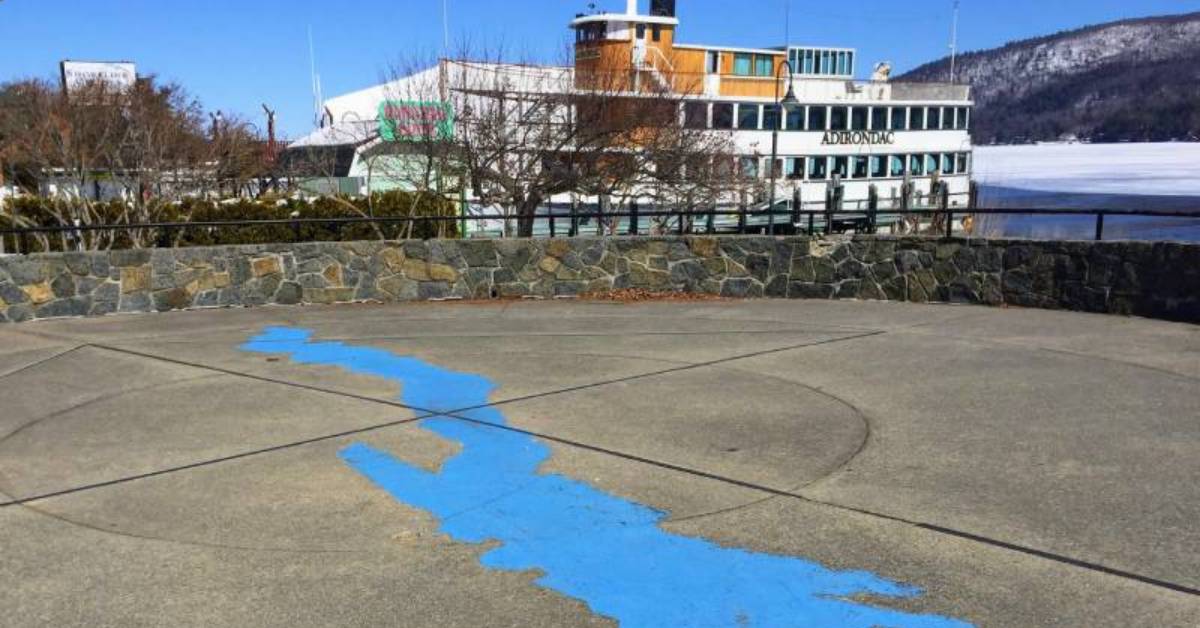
x,y
1135,80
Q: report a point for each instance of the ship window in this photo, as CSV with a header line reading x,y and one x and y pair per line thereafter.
x,y
808,62
695,115
843,63
963,162
838,118
897,165
859,168
948,163
748,116
749,167
899,118
795,168
641,32
722,115
850,63
818,168
879,118
916,118
858,119
770,117
964,118
714,62
656,32
764,65
817,118
931,163
841,166
879,166
826,62
795,119
916,165
742,64
933,119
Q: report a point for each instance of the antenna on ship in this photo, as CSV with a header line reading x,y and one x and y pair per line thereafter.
x,y
318,101
445,28
787,25
954,42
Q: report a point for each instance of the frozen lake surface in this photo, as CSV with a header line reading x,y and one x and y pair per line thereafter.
x,y
1122,169
1164,177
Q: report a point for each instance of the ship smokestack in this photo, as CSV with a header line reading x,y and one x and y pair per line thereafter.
x,y
662,8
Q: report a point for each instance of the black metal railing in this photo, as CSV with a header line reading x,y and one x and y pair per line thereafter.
x,y
634,221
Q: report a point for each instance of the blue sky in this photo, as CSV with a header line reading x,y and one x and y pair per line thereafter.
x,y
235,54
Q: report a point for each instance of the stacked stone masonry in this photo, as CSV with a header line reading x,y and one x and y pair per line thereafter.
x,y
1160,280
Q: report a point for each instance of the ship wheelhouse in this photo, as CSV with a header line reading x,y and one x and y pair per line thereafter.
x,y
895,136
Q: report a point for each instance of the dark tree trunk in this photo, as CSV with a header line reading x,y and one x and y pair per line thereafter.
x,y
526,214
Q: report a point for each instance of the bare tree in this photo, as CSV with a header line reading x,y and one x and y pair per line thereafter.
x,y
122,155
523,134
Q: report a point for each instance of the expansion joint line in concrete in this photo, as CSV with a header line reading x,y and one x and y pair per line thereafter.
x,y
457,414
40,362
422,413
213,461
938,529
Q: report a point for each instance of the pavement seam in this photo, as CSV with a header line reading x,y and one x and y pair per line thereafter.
x,y
678,369
264,379
1013,344
100,399
455,414
1059,558
214,461
423,413
42,361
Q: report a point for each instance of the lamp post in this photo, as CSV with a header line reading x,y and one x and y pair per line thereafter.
x,y
781,110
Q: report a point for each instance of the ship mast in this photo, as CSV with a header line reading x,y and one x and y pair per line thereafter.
x,y
954,42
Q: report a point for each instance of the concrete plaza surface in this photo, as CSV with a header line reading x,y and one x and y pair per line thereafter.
x,y
1018,467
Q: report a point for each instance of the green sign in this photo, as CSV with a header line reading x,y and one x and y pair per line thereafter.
x,y
415,121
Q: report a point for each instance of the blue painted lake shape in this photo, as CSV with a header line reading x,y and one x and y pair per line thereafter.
x,y
605,550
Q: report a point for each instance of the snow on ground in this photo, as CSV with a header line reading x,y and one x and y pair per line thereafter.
x,y
1133,169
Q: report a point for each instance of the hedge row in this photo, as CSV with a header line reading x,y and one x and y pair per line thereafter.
x,y
47,212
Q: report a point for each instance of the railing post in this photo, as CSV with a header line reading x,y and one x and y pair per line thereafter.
x,y
633,217
796,206
19,241
872,208
944,203
771,207
574,232
602,204
828,210
742,214
553,233
1099,226
711,220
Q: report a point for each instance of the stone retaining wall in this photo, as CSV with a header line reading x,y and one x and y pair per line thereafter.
x,y
1149,279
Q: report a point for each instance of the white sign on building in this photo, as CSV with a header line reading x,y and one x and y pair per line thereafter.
x,y
118,76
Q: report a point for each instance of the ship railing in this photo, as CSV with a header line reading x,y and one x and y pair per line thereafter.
x,y
564,219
